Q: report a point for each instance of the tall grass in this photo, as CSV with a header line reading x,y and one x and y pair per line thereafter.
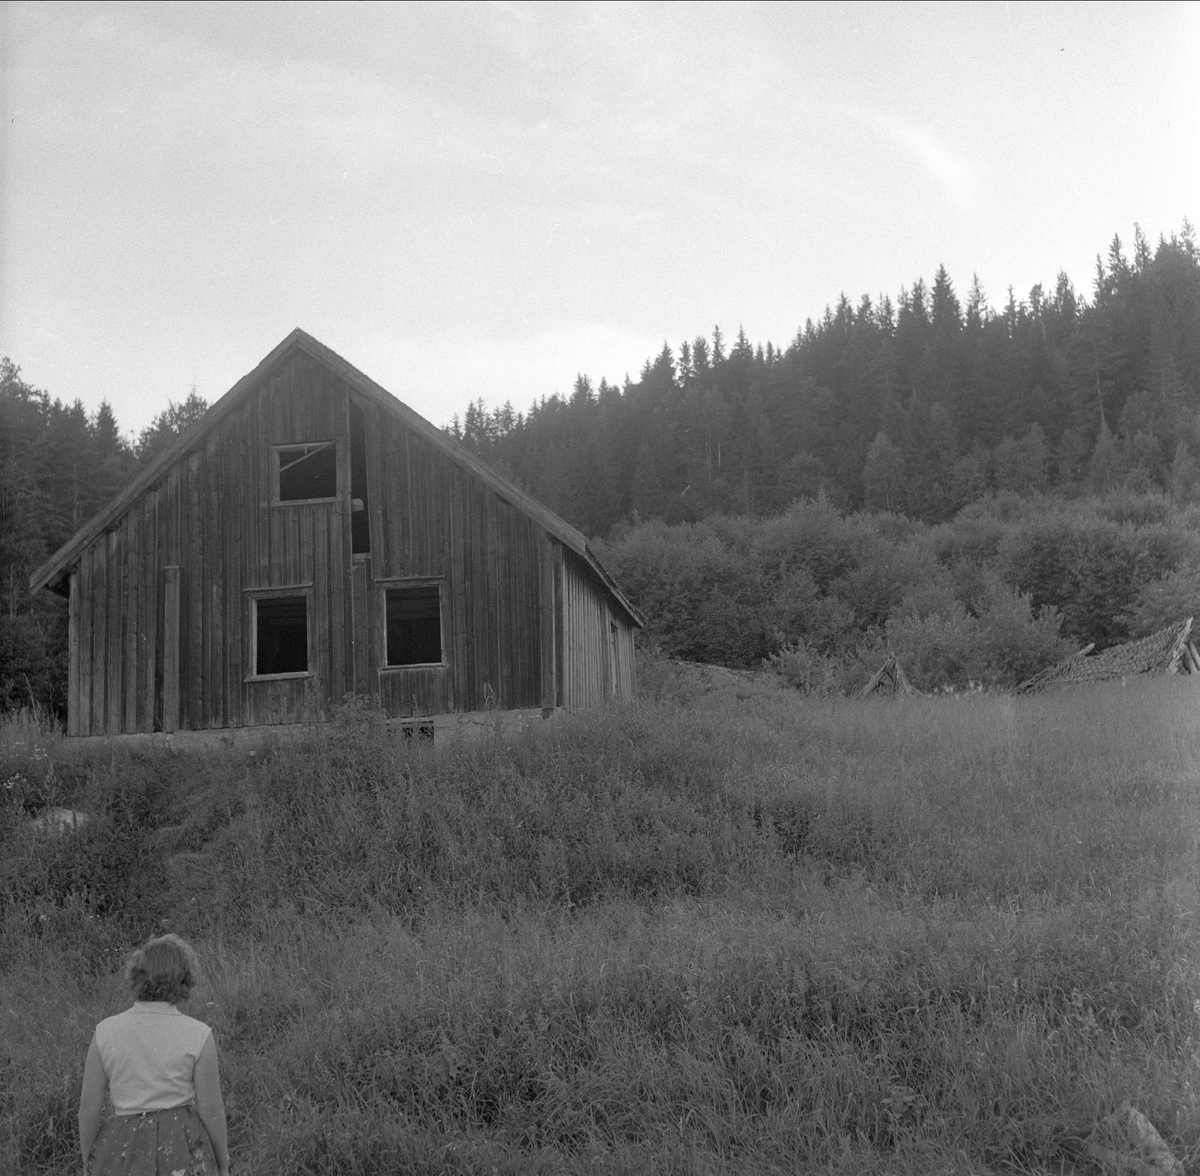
x,y
730,932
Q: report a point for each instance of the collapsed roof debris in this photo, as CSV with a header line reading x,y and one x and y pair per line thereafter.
x,y
890,678
1169,651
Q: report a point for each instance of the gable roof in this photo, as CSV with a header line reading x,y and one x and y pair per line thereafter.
x,y
53,573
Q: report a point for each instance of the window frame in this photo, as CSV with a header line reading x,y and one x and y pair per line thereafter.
x,y
253,596
392,585
277,467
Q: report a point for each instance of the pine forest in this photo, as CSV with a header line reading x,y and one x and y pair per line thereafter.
x,y
982,489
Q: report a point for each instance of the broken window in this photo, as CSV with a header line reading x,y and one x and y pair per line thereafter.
x,y
280,635
417,730
307,471
413,625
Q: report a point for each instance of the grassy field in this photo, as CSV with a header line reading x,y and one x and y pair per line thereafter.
x,y
728,930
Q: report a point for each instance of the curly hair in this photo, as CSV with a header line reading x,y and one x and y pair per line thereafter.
x,y
165,968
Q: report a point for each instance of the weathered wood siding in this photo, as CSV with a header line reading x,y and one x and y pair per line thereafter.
x,y
161,604
435,520
597,657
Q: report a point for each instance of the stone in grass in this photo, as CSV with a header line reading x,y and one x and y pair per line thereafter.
x,y
58,820
1126,1144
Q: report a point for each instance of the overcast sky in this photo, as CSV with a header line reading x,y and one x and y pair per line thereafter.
x,y
485,199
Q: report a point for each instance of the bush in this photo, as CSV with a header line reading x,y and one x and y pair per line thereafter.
x,y
1090,569
1139,510
88,890
1002,644
1014,640
701,596
1166,601
938,650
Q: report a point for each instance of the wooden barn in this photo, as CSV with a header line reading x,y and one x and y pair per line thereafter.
x,y
312,537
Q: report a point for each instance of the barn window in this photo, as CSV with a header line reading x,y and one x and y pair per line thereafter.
x,y
307,472
413,625
280,634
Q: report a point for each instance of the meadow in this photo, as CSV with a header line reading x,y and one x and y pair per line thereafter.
x,y
726,930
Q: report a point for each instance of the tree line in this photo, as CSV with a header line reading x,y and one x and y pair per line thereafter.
x,y
913,410
58,466
917,406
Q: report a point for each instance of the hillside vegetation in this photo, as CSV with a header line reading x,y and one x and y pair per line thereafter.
x,y
1008,587
919,420
733,931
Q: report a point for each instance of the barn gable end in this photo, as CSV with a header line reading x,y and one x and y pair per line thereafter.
x,y
312,537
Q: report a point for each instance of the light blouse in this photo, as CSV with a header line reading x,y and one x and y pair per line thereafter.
x,y
149,1054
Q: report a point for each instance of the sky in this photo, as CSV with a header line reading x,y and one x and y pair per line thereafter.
x,y
485,200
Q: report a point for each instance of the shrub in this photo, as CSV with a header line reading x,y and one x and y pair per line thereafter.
x,y
1015,641
805,670
1002,643
1088,568
1166,601
88,890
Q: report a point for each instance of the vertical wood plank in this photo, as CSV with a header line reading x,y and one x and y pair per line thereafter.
x,y
298,544
264,483
214,603
342,559
172,637
359,626
477,592
414,509
114,648
150,617
456,632
141,514
375,639
73,656
564,641
322,611
548,688
99,634
192,600
341,650
397,492
410,522
131,623
530,614
375,492
239,447
87,613
384,560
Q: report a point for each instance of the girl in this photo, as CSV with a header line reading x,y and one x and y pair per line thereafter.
x,y
159,1068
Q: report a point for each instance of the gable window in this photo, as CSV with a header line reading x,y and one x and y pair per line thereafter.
x,y
306,472
280,634
412,624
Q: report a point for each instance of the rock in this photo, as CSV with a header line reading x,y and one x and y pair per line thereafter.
x,y
58,820
1127,1144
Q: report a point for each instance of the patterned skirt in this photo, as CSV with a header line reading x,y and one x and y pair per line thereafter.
x,y
153,1143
